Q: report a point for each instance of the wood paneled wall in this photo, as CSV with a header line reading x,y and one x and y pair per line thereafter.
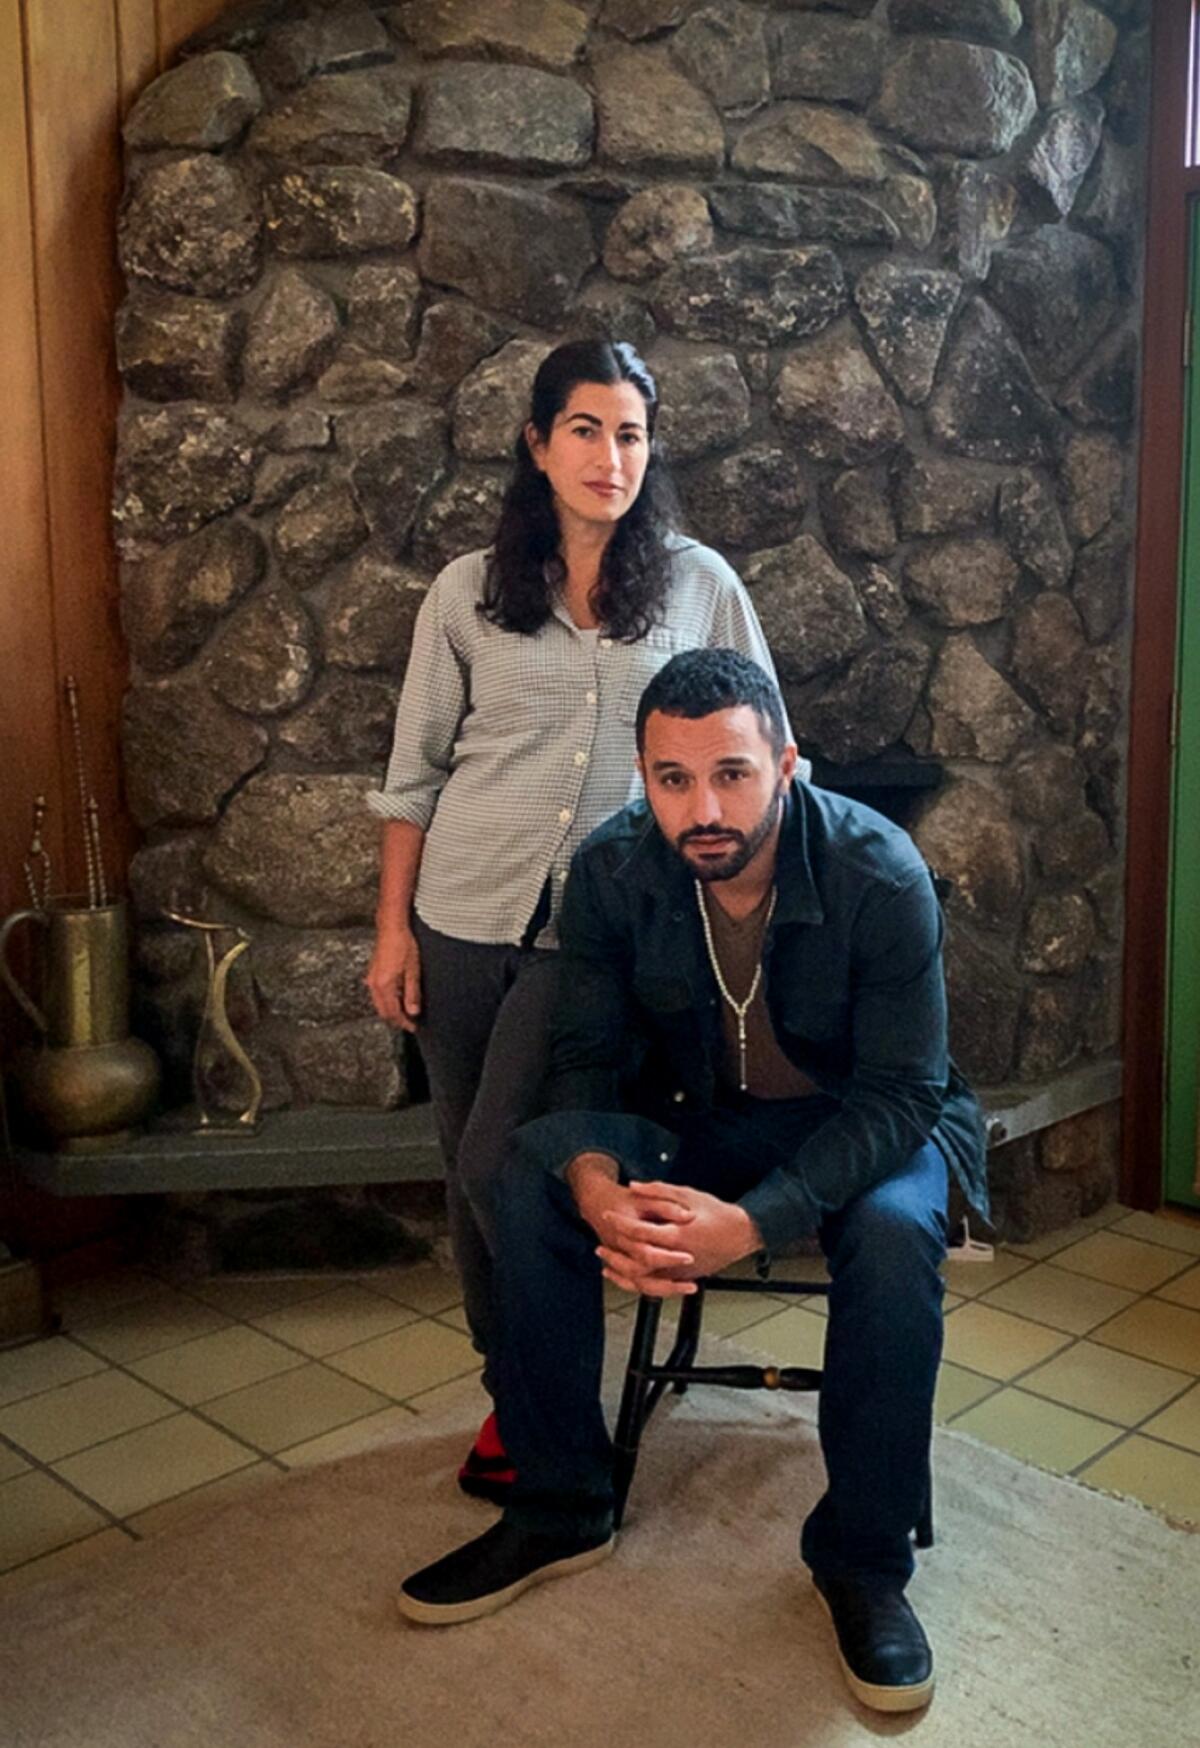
x,y
66,81
1173,190
67,78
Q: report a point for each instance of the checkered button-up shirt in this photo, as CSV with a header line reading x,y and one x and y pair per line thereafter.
x,y
509,749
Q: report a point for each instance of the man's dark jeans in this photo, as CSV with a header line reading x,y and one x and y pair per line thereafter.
x,y
882,1350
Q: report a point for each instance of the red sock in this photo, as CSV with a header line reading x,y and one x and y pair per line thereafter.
x,y
489,1442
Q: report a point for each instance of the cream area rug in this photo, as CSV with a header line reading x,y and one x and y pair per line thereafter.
x,y
1060,1618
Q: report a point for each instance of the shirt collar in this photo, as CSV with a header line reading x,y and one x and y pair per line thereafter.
x,y
654,866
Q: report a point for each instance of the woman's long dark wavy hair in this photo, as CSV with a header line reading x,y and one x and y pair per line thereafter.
x,y
526,570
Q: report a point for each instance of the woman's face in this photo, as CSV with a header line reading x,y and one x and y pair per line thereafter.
x,y
596,453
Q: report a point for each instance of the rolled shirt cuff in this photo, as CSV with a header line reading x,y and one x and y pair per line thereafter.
x,y
414,809
782,1213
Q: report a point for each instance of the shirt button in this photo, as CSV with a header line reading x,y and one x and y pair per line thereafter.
x,y
581,758
560,873
678,1098
564,816
591,697
604,642
664,1157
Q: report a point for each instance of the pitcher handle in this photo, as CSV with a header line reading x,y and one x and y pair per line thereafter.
x,y
19,916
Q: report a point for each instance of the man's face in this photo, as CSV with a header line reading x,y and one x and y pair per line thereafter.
x,y
713,784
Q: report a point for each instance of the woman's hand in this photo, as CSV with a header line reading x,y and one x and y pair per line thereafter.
x,y
394,978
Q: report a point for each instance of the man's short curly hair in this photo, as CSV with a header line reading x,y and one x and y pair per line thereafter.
x,y
700,681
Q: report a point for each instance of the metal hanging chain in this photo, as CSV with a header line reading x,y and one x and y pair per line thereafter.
x,y
89,813
742,1008
37,862
94,823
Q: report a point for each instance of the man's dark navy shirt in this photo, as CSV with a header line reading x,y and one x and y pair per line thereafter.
x,y
853,980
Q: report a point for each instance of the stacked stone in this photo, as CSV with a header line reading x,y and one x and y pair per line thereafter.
x,y
883,256
1062,1173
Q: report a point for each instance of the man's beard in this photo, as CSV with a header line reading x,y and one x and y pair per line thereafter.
x,y
739,856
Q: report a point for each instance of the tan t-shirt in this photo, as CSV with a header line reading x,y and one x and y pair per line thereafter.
x,y
738,944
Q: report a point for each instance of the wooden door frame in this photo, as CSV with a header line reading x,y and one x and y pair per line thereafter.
x,y
1171,189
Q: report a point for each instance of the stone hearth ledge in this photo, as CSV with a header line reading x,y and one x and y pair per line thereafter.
x,y
303,1149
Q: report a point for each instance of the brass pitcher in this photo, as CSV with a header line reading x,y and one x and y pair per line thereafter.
x,y
89,1082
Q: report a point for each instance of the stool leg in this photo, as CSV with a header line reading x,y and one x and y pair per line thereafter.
x,y
632,1414
687,1336
925,1521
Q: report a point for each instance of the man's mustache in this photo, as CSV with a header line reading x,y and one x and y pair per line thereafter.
x,y
698,833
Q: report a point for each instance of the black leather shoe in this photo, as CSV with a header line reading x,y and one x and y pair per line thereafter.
x,y
882,1647
487,1574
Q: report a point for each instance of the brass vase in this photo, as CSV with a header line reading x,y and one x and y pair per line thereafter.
x,y
88,1083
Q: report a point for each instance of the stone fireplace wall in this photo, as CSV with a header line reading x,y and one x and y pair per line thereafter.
x,y
884,259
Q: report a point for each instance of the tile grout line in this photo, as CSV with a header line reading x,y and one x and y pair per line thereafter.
x,y
438,1317
240,1320
177,1407
231,1321
114,1522
28,1396
1124,1433
121,1367
1076,1473
1091,1334
1139,1425
1012,1381
60,1547
403,1401
272,1458
1106,1420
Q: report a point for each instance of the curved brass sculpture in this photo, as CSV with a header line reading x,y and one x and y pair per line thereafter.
x,y
216,1017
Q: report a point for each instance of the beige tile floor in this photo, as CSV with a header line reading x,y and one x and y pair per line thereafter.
x,y
1080,1353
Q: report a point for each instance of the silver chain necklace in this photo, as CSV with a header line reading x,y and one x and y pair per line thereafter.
x,y
740,1008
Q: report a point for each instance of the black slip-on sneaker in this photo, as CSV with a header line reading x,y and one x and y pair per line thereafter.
x,y
487,1574
882,1647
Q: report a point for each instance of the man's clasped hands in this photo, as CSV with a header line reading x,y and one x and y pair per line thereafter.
x,y
658,1238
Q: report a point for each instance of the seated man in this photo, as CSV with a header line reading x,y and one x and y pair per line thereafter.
x,y
777,951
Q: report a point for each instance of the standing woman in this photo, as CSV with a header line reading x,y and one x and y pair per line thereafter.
x,y
515,739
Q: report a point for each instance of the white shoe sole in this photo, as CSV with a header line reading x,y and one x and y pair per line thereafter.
x,y
430,1614
879,1699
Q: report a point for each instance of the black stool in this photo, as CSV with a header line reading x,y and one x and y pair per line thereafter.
x,y
646,1382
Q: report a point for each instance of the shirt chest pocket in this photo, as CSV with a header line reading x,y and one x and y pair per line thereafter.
x,y
527,683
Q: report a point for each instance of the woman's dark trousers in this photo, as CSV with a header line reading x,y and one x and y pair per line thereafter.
x,y
483,1036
